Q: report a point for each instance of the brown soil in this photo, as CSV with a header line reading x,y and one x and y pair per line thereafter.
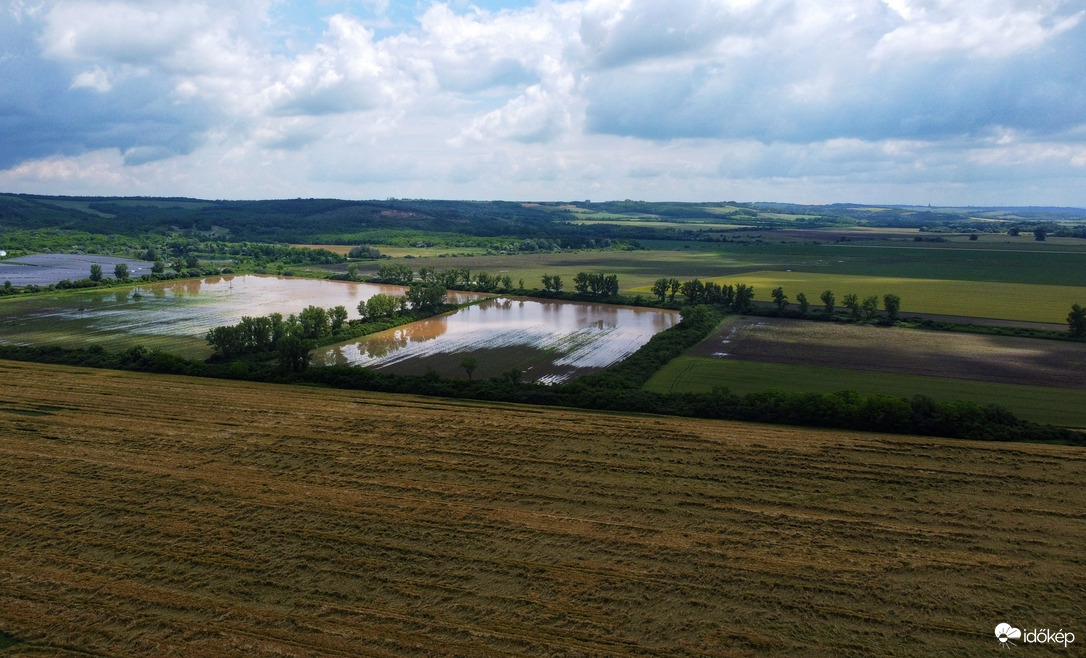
x,y
905,351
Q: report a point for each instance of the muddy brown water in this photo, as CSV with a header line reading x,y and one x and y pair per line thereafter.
x,y
545,340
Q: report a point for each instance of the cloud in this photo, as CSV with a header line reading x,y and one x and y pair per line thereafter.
x,y
980,34
96,79
556,99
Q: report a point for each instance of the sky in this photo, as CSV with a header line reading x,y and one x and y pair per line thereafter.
x,y
940,102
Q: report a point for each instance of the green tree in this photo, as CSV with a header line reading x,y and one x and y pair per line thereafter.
x,y
870,306
1076,321
779,298
96,272
426,296
801,299
469,364
852,303
892,304
120,271
610,286
1039,234
314,322
293,353
674,286
694,291
660,288
395,273
828,300
552,283
158,267
581,283
226,341
744,296
337,317
380,305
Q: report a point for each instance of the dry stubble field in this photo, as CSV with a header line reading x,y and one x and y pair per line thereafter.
x,y
145,515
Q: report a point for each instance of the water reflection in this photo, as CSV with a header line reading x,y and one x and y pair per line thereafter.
x,y
182,309
549,340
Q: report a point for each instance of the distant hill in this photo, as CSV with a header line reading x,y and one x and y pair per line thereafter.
x,y
332,220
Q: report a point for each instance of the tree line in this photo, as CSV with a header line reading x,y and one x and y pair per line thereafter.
x,y
616,389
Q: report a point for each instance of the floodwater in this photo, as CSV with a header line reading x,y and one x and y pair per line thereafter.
x,y
173,315
548,341
43,269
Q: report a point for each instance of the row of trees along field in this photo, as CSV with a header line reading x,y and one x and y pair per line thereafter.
x,y
617,388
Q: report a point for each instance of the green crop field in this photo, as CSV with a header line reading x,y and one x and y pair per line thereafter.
x,y
1042,404
978,299
154,515
1024,263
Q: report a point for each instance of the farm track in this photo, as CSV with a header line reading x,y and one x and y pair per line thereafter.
x,y
149,515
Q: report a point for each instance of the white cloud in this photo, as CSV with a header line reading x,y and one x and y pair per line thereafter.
x,y
95,79
632,98
100,170
989,36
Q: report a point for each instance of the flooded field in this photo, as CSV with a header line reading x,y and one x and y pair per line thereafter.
x,y
172,315
44,269
545,340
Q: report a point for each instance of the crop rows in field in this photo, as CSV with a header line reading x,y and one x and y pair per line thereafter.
x,y
156,515
1040,404
1039,380
1004,359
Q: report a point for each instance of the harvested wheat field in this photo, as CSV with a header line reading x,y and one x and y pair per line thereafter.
x,y
148,515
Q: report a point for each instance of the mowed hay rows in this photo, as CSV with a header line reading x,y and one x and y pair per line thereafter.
x,y
146,515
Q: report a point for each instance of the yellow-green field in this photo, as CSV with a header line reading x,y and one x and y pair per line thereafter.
x,y
154,516
979,299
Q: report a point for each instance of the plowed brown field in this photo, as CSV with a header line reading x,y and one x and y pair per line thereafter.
x,y
145,515
1003,359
